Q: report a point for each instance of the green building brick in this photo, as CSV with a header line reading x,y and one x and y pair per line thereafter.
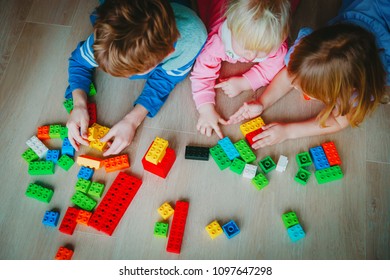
x,y
92,90
54,131
96,189
40,193
302,176
68,104
267,164
237,166
41,167
161,229
83,201
260,181
83,185
63,132
245,151
220,157
290,219
29,155
303,159
65,162
329,174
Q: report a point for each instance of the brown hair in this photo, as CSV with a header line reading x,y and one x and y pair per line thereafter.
x,y
340,66
133,36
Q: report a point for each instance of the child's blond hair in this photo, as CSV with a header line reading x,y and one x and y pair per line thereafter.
x,y
259,25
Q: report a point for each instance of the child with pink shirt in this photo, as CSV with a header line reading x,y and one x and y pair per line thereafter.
x,y
245,31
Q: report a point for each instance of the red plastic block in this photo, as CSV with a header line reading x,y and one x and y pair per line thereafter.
x,y
115,203
69,223
91,107
43,132
116,163
331,153
162,168
176,232
64,253
250,135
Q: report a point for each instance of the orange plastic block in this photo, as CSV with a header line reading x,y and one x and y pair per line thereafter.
x,y
64,253
116,163
83,217
157,151
252,125
89,161
331,153
165,210
43,132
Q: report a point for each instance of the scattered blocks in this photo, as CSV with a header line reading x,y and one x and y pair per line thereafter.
x,y
319,159
331,153
83,201
228,147
230,229
245,151
68,223
29,155
157,150
330,174
51,218
260,181
85,173
161,229
197,153
282,164
303,159
67,148
249,171
214,229
82,185
252,125
237,166
165,210
65,162
41,167
176,233
116,163
89,161
64,254
302,176
53,155
96,189
39,193
220,157
37,146
267,164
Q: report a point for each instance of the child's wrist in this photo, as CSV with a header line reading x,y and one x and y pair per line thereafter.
x,y
79,98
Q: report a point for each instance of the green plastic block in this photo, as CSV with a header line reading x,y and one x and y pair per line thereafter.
x,y
68,104
82,185
290,219
302,176
65,162
96,189
40,193
92,90
329,174
161,229
83,201
260,181
54,131
267,164
41,167
220,157
303,159
245,151
29,155
237,166
63,132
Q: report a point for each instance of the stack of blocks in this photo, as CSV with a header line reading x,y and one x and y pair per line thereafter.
x,y
161,228
294,229
95,133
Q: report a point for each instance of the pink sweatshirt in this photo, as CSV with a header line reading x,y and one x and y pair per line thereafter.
x,y
218,48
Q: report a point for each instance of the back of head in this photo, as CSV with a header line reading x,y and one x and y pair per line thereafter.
x,y
133,36
259,25
340,66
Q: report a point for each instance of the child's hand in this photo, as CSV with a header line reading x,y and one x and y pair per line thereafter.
x,y
247,111
234,86
208,121
77,126
272,134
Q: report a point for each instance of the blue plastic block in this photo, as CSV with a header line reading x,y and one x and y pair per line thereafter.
x,y
296,232
230,229
67,148
319,158
51,218
85,173
228,148
53,155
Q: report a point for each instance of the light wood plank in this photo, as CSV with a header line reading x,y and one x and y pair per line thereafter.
x,y
53,12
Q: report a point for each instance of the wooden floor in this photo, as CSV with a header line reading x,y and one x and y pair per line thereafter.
x,y
347,219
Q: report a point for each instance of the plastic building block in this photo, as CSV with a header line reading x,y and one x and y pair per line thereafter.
x,y
83,217
260,181
41,167
331,153
161,229
228,147
115,202
230,229
220,157
250,135
282,164
85,173
157,150
39,193
68,104
197,153
37,146
319,159
249,171
214,229
68,223
65,162
165,210
43,132
53,155
91,107
267,164
89,161
176,233
330,174
96,189
82,185
51,218
83,201
64,254
116,163
92,90
63,132
245,151
67,148
252,125
303,159
96,144
161,169
29,155
302,176
237,166
296,232
290,219
54,131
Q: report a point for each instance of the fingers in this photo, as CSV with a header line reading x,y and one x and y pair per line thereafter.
x,y
218,131
222,121
221,85
108,136
84,128
74,135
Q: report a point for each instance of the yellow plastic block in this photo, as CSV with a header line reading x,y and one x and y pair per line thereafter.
x,y
252,125
165,210
96,144
214,229
89,161
157,151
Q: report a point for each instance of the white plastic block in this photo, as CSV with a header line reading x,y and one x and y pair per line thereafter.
x,y
282,163
37,146
249,171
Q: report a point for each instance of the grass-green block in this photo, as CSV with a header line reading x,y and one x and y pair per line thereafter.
x,y
55,131
303,159
96,189
267,164
290,219
329,174
82,185
260,181
63,132
302,176
92,90
245,151
65,162
40,193
68,104
220,157
161,229
29,155
41,167
237,166
83,201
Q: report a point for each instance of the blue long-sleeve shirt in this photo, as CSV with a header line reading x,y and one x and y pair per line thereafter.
x,y
163,78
